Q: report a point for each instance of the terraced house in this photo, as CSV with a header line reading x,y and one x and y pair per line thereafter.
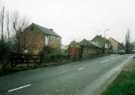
x,y
35,38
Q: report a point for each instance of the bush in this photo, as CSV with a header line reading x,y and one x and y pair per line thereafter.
x,y
5,49
53,57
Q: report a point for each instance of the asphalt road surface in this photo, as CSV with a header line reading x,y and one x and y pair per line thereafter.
x,y
77,78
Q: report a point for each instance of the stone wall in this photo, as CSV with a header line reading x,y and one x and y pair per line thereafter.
x,y
31,42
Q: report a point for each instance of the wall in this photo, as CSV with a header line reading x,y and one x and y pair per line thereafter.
x,y
54,42
74,52
86,52
115,46
31,42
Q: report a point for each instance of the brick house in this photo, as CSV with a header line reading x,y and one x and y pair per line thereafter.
x,y
35,38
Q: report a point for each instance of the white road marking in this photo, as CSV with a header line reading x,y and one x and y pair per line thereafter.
x,y
18,88
81,68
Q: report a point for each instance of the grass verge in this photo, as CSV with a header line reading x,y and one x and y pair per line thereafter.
x,y
124,84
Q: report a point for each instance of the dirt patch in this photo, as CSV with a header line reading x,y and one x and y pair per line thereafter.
x,y
130,66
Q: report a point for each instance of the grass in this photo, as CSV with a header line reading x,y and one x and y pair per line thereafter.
x,y
124,84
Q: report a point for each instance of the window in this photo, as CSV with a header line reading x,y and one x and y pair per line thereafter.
x,y
46,40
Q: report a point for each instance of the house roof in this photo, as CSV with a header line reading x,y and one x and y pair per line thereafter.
x,y
45,30
84,42
74,44
114,40
100,41
120,44
87,43
99,38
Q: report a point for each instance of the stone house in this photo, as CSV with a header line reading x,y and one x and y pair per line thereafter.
x,y
35,38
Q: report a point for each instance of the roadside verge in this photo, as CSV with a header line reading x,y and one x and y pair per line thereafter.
x,y
124,81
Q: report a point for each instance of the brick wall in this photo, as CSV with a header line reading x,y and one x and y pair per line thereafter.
x,y
74,52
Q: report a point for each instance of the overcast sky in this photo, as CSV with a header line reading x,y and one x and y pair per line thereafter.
x,y
78,19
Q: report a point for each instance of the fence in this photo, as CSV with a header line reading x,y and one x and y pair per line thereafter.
x,y
18,58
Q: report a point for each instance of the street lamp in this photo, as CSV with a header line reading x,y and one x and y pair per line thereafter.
x,y
106,31
105,38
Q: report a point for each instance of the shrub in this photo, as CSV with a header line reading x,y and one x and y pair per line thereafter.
x,y
5,49
53,57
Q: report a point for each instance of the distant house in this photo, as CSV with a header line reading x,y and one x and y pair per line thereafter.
x,y
116,46
83,49
102,42
35,38
89,49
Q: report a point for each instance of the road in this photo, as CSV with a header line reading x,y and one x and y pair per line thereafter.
x,y
76,78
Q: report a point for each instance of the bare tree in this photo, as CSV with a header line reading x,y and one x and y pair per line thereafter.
x,y
127,41
2,19
18,25
8,24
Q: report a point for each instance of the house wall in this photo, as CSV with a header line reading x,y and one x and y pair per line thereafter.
x,y
54,42
34,42
103,43
115,46
99,41
74,52
31,42
86,52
